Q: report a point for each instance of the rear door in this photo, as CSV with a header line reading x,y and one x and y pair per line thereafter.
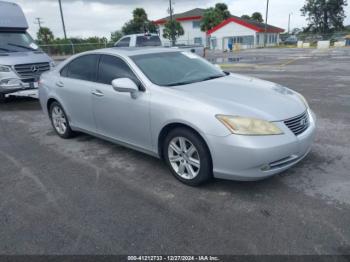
x,y
75,88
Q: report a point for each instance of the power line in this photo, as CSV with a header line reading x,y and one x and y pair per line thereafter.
x,y
63,25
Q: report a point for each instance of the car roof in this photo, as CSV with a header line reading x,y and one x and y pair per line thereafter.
x,y
132,51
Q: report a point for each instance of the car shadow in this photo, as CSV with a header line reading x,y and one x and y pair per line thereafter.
x,y
20,103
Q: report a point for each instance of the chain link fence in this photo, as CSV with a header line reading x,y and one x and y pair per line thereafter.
x,y
72,48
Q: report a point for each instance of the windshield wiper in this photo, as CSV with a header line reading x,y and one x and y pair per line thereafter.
x,y
211,77
181,83
22,46
6,50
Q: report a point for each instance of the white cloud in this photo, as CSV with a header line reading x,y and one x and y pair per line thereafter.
x,y
100,17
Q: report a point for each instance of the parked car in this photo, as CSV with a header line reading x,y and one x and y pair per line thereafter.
x,y
21,60
291,40
153,40
177,106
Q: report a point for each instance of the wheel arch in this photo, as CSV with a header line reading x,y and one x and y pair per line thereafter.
x,y
171,126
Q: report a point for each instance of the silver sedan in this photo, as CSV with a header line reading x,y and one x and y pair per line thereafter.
x,y
178,107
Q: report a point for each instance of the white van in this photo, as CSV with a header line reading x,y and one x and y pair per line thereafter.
x,y
21,60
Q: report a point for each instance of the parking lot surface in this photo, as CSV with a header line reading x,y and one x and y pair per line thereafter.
x,y
88,196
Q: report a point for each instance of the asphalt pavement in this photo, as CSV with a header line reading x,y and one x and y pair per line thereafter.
x,y
88,196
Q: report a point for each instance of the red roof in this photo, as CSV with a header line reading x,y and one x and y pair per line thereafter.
x,y
194,14
256,26
197,14
163,21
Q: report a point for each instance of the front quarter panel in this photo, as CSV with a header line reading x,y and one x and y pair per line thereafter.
x,y
171,106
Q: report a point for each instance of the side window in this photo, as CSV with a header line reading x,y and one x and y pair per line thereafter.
x,y
148,41
82,68
111,68
124,42
64,71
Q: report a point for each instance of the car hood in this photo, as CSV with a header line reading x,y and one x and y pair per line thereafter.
x,y
12,59
246,96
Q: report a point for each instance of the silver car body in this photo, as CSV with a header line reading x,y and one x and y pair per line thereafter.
x,y
138,121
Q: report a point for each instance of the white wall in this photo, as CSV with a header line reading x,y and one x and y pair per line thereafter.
x,y
188,37
230,30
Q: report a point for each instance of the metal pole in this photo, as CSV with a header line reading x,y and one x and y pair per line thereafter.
x,y
289,23
171,23
267,14
64,27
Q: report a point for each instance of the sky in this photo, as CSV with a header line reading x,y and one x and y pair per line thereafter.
x,y
86,18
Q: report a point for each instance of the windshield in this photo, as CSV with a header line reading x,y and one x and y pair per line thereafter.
x,y
176,68
16,42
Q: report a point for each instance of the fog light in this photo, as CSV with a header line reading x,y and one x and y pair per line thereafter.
x,y
265,168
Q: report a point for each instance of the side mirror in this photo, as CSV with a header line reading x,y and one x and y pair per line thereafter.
x,y
124,85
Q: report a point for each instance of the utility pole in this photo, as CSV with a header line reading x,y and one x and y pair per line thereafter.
x,y
38,21
172,33
289,22
266,17
64,27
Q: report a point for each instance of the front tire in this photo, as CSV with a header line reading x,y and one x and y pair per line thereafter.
x,y
188,157
60,121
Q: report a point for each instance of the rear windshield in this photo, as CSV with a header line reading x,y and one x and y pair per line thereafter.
x,y
148,41
16,42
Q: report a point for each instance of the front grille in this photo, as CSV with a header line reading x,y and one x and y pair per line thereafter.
x,y
32,70
298,124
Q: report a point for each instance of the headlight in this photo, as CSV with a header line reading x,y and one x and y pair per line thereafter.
x,y
249,126
4,68
52,64
302,98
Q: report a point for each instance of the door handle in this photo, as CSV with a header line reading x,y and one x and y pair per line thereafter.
x,y
97,93
59,84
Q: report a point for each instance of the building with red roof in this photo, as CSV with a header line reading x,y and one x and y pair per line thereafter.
x,y
234,31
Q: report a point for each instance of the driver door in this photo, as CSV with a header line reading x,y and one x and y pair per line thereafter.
x,y
118,115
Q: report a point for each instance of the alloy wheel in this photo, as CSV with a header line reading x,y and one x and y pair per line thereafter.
x,y
59,120
184,158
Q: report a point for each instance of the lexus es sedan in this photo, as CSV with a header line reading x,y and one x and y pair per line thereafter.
x,y
180,108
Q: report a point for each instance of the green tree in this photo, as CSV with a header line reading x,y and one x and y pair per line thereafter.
x,y
139,23
247,17
324,16
173,30
257,17
115,36
45,35
214,16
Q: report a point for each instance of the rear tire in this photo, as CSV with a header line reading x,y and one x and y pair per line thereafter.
x,y
60,121
187,156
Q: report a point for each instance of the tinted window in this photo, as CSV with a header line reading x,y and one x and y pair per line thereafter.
x,y
83,68
125,42
111,68
148,41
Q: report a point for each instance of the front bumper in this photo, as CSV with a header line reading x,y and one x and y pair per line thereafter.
x,y
250,158
15,85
